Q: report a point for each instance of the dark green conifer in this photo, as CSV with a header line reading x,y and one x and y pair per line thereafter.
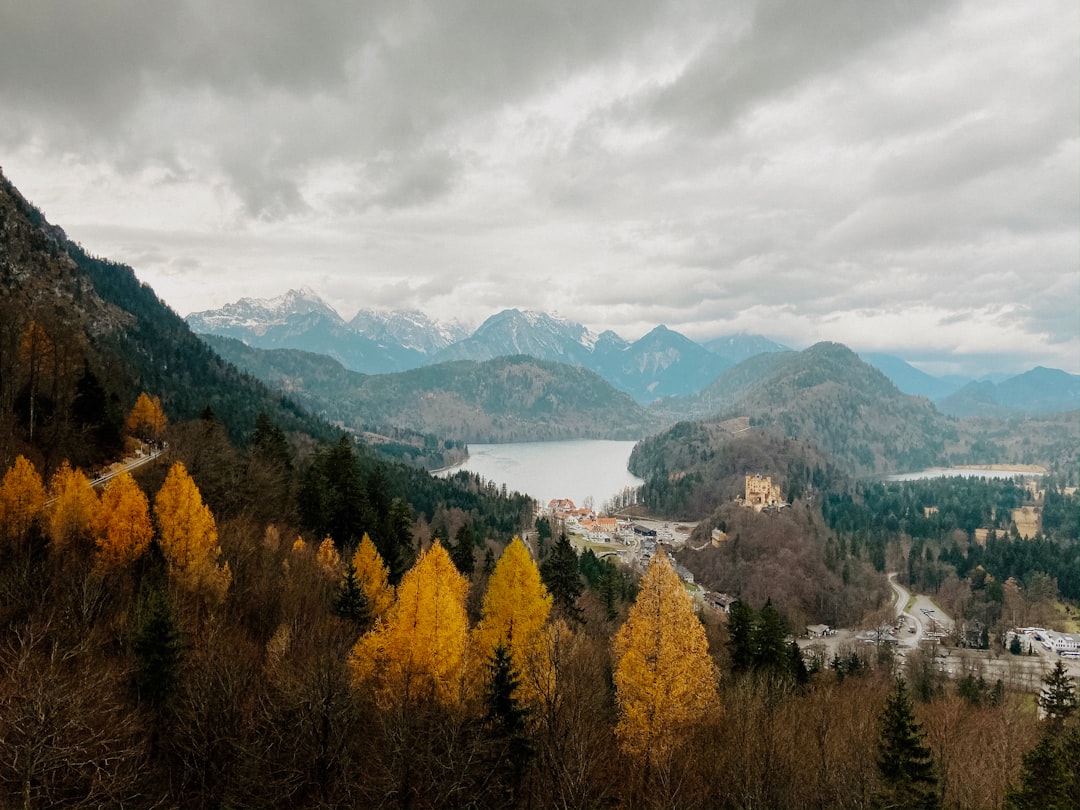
x,y
905,761
1058,697
157,648
741,631
1045,781
462,551
559,572
507,719
351,603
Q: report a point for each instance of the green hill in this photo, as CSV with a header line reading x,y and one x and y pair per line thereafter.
x,y
506,399
828,396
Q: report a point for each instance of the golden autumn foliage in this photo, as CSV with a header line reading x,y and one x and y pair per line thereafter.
x,y
514,612
22,499
73,508
328,558
123,529
147,420
188,534
373,576
665,681
417,653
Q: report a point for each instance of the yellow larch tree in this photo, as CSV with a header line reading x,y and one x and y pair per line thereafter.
x,y
123,529
22,500
73,507
188,534
417,653
514,612
373,576
328,558
665,681
147,420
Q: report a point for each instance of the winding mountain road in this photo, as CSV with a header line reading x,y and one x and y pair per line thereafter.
x,y
923,615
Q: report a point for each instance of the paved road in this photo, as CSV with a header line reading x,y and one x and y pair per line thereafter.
x,y
1019,671
129,464
924,615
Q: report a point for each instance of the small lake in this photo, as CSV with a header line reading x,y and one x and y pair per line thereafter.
x,y
963,472
578,469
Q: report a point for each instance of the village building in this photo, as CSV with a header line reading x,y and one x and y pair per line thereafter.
x,y
719,601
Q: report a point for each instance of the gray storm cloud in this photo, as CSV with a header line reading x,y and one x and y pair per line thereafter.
x,y
897,174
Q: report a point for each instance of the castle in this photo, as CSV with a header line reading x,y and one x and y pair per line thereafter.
x,y
761,492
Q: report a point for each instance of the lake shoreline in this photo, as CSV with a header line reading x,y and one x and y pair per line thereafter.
x,y
970,471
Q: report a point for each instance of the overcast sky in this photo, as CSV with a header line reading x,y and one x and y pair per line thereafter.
x,y
897,176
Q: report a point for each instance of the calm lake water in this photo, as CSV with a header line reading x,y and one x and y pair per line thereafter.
x,y
576,469
960,472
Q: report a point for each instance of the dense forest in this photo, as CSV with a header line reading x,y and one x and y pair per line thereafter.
x,y
927,531
304,626
266,612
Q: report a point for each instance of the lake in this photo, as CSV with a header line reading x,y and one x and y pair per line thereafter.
x,y
964,472
578,469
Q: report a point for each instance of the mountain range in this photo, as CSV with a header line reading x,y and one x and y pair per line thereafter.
x,y
660,364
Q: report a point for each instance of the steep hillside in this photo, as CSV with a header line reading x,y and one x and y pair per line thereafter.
x,y
80,337
509,398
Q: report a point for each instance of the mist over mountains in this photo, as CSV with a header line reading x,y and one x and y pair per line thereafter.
x,y
663,363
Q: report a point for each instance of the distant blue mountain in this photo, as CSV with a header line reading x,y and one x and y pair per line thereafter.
x,y
912,381
742,346
1038,391
662,363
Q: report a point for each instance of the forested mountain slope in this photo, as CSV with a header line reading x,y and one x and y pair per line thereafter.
x,y
827,395
505,399
80,337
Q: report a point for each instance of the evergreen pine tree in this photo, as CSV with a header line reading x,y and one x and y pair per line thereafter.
x,y
797,665
1045,780
506,719
1058,697
351,602
559,572
771,652
741,623
462,550
156,646
905,762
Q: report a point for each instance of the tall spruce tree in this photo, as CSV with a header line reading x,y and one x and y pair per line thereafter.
x,y
741,633
1045,780
462,550
559,572
905,762
771,652
351,603
1058,697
